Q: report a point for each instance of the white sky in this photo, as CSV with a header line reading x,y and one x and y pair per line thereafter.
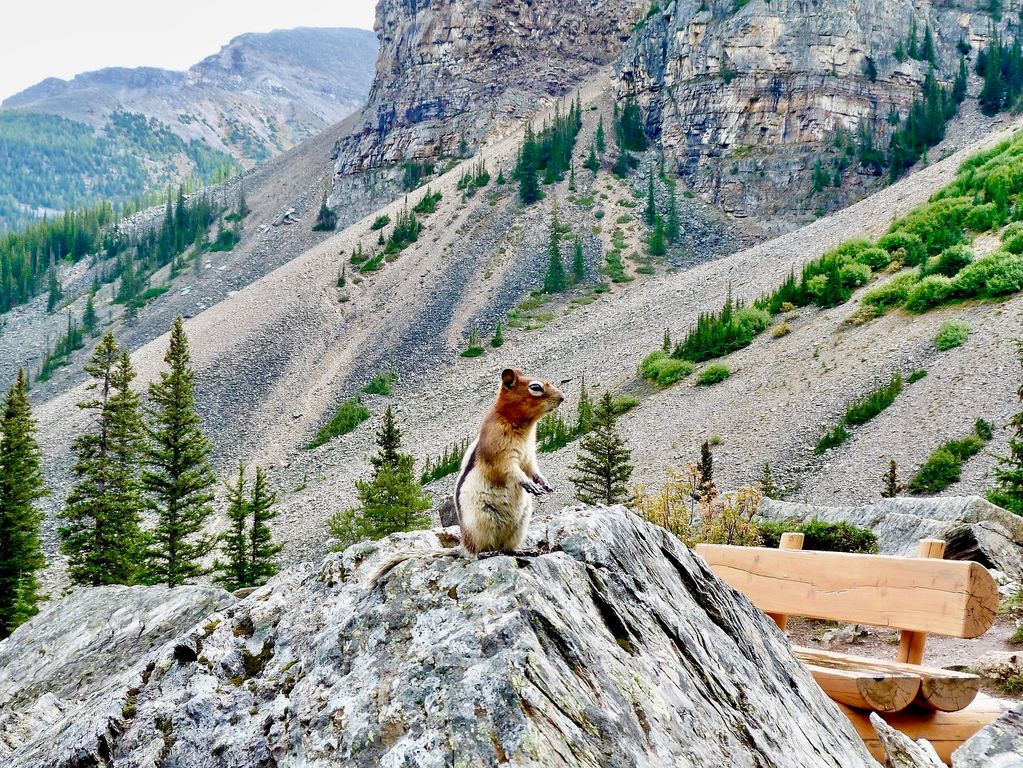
x,y
60,38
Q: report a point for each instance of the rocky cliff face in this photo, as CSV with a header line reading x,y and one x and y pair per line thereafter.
x,y
618,648
747,97
451,71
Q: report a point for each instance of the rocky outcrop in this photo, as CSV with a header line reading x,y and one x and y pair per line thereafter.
x,y
747,97
974,528
85,644
1000,745
613,647
450,73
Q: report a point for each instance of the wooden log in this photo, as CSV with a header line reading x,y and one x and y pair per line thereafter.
x,y
945,730
880,691
953,598
940,689
911,644
789,540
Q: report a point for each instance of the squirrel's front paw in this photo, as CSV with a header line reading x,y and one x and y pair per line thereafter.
x,y
532,487
541,481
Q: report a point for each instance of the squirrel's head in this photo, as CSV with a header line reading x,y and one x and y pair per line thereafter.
x,y
523,399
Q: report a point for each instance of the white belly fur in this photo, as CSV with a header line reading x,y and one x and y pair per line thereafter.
x,y
497,517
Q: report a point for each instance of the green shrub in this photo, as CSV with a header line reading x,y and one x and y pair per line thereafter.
x,y
1013,244
820,536
350,415
663,370
982,217
916,375
714,373
997,274
855,274
944,466
624,404
863,409
380,222
894,292
950,261
718,333
381,384
832,439
874,257
952,334
938,472
905,246
929,292
782,329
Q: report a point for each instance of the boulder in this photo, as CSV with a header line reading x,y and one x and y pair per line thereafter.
x,y
611,645
974,528
88,642
1000,745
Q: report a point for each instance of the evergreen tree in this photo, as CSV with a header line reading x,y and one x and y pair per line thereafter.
x,y
326,219
912,46
602,468
673,228
21,485
961,82
591,162
102,537
242,207
1008,490
391,500
578,262
666,341
388,443
927,53
601,139
55,293
262,550
767,486
233,573
526,171
554,281
650,210
89,318
992,93
892,487
656,245
178,479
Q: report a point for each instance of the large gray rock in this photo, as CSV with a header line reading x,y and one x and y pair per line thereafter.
x,y
974,528
617,648
89,642
1000,745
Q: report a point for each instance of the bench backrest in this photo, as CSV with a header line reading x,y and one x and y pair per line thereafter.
x,y
945,597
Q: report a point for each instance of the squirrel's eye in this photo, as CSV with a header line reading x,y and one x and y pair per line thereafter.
x,y
536,388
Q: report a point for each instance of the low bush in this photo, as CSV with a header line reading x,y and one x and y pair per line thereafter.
x,y
350,415
863,409
903,246
663,370
916,375
820,536
894,292
874,257
380,222
855,274
832,439
952,334
944,466
929,293
950,261
994,275
381,384
782,329
982,217
714,374
624,404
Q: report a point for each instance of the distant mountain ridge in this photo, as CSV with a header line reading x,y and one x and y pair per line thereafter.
x,y
260,95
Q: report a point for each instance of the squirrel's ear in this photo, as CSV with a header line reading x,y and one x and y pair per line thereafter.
x,y
509,376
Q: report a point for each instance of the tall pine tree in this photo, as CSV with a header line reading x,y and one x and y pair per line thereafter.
x,y
554,281
262,550
602,468
672,228
233,571
650,211
388,442
102,537
178,479
578,262
21,486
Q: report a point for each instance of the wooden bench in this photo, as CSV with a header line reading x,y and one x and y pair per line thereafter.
x,y
918,596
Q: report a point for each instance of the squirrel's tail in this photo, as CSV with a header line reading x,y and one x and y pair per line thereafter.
x,y
396,559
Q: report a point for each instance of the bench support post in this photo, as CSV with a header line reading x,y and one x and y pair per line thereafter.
x,y
911,644
788,541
